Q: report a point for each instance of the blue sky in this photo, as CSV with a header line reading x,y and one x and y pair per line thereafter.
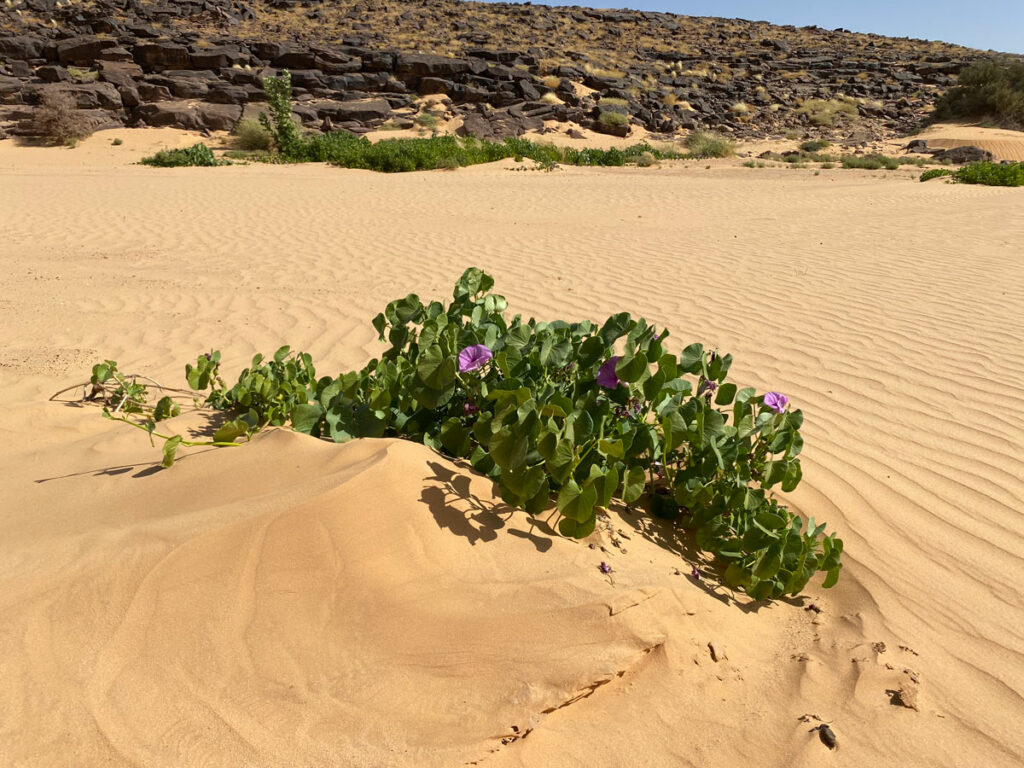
x,y
995,24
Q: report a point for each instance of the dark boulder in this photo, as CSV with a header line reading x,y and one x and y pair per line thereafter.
x,y
435,85
372,110
153,92
410,67
10,86
22,47
52,73
221,57
161,56
120,73
961,155
227,94
83,51
20,69
497,126
193,117
86,95
115,54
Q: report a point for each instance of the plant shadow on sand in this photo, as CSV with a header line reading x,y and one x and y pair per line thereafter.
x,y
456,508
699,567
203,424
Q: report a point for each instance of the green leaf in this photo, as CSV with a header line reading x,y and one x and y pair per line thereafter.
x,y
508,449
525,481
793,475
768,564
674,430
691,359
306,416
770,521
832,578
170,449
165,408
576,530
726,393
231,431
607,486
736,576
577,503
590,351
282,353
615,327
636,481
435,368
631,367
611,448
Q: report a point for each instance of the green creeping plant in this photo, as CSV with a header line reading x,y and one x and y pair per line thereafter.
x,y
572,414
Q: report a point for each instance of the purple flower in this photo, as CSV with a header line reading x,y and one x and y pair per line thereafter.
x,y
776,401
473,357
695,572
707,386
604,568
469,409
606,375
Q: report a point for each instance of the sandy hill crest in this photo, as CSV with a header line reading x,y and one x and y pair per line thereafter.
x,y
516,67
296,602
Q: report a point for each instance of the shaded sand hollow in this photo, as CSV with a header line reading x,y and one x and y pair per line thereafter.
x,y
297,603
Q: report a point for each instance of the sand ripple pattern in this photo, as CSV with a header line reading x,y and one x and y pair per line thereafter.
x,y
891,312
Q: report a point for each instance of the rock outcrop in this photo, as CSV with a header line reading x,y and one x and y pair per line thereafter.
x,y
195,64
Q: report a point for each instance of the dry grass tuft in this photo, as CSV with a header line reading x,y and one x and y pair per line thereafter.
x,y
58,120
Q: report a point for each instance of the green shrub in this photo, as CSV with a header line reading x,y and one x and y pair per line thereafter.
x,y
613,118
562,416
991,89
427,120
824,113
935,173
871,162
117,142
708,144
251,134
827,166
991,174
280,123
815,145
197,154
83,75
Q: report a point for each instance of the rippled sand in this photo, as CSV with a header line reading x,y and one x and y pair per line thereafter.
x,y
293,602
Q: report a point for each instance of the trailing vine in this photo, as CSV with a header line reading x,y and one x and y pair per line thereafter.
x,y
571,414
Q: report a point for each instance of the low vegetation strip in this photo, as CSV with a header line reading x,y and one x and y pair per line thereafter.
x,y
347,150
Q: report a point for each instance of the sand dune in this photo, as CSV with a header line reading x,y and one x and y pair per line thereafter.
x,y
292,602
1003,144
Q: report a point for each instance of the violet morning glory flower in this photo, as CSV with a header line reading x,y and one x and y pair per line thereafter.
x,y
606,375
473,357
469,409
776,401
604,568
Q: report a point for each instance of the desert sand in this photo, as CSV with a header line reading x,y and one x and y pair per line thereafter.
x,y
292,602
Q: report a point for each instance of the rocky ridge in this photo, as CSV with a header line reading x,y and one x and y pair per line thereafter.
x,y
501,68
